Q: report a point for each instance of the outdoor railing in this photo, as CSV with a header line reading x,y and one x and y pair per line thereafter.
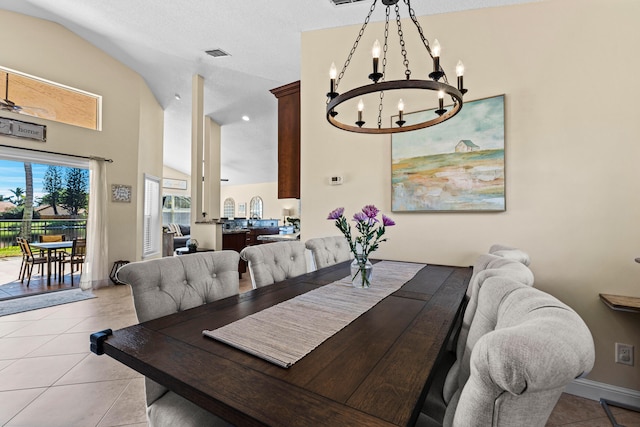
x,y
70,228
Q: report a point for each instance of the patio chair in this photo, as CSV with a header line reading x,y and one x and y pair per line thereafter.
x,y
30,260
22,264
76,257
52,238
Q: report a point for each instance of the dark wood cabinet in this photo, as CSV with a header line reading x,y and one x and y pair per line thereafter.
x,y
288,140
236,241
252,237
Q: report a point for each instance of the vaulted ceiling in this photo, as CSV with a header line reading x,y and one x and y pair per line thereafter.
x,y
165,42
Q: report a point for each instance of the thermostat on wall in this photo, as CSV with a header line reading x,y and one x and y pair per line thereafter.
x,y
335,180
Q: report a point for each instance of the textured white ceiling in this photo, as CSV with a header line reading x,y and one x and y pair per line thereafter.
x,y
164,41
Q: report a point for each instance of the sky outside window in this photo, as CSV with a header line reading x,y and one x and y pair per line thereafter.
x,y
12,176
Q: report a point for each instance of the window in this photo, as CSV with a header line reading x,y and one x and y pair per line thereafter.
x,y
52,101
229,209
151,220
255,207
176,209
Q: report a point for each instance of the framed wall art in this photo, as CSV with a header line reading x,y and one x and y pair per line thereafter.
x,y
121,193
456,166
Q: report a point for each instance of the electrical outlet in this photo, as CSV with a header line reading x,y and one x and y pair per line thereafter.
x,y
624,354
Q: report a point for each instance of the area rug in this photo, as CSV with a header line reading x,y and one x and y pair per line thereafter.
x,y
50,299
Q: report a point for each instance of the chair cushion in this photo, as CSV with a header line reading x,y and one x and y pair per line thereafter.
x,y
172,410
273,262
329,250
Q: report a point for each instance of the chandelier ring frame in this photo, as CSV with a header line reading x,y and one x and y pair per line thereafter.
x,y
394,85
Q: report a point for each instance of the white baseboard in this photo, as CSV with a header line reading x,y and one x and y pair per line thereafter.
x,y
595,390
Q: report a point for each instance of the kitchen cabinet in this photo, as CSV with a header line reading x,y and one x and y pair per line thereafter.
x,y
288,140
236,241
252,237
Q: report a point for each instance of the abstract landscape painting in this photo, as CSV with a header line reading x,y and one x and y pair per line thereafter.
x,y
456,166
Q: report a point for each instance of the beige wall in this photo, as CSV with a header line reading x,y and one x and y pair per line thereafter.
x,y
132,119
567,69
268,191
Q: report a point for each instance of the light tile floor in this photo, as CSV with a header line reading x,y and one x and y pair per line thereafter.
x,y
49,378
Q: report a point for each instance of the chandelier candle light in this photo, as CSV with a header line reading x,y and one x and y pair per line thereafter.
x,y
438,82
371,232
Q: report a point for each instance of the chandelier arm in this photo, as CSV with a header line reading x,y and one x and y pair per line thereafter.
x,y
396,85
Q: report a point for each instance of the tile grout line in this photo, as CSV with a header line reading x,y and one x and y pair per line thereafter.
x,y
114,402
44,389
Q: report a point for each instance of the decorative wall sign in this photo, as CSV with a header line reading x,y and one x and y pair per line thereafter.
x,y
175,184
120,193
457,166
19,129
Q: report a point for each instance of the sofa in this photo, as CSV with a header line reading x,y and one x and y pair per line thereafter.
x,y
181,233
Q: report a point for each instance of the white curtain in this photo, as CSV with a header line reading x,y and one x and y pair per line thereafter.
x,y
95,271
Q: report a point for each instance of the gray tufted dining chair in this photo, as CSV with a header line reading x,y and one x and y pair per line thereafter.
x,y
449,377
511,253
273,262
525,347
168,285
328,251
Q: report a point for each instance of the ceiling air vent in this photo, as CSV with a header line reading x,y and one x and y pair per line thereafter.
x,y
216,53
341,2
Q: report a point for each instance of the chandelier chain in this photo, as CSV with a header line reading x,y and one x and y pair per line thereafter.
x,y
403,50
355,44
384,64
425,42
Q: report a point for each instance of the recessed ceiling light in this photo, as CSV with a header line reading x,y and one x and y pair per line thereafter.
x,y
245,118
177,95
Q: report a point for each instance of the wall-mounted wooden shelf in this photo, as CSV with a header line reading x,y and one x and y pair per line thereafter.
x,y
621,302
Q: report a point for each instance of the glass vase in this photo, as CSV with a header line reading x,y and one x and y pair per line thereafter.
x,y
361,272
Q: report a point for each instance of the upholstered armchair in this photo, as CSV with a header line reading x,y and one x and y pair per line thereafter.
x,y
328,251
164,286
273,262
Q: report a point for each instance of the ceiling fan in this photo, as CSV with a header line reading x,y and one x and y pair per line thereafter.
x,y
7,105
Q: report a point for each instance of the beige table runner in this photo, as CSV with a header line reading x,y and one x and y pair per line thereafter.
x,y
286,332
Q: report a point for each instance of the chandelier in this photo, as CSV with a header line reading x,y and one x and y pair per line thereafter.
x,y
438,82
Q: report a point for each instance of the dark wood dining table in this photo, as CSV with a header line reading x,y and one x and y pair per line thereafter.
x,y
374,372
51,248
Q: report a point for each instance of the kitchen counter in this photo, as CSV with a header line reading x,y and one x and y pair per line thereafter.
x,y
236,231
278,237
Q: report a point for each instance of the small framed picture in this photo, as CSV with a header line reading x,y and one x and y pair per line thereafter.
x,y
121,193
